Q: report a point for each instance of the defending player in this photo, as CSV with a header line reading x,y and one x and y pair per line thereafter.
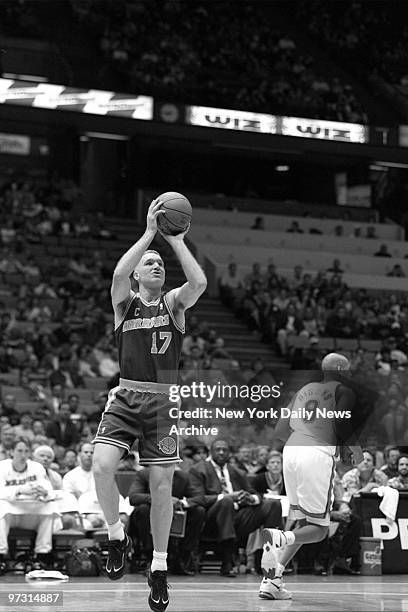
x,y
308,468
149,328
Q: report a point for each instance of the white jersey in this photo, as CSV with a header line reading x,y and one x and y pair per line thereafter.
x,y
313,417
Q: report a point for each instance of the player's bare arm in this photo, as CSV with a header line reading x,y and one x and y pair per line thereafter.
x,y
120,289
184,297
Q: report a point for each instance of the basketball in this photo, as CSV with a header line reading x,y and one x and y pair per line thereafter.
x,y
177,215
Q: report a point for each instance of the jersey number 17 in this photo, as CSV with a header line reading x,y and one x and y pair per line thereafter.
x,y
166,336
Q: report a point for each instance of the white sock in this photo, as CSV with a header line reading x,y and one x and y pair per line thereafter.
x,y
115,531
290,536
159,562
279,570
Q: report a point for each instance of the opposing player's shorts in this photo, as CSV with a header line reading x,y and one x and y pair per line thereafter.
x,y
308,473
144,416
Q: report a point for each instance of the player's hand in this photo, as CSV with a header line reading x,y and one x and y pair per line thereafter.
x,y
174,239
152,214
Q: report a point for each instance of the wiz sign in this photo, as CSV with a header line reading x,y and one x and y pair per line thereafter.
x,y
231,119
325,130
385,531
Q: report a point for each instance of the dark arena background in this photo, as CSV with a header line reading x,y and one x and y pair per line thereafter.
x,y
285,124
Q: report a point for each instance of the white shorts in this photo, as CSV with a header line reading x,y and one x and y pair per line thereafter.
x,y
308,473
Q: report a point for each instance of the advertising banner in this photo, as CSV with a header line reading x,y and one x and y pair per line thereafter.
x,y
93,101
324,130
223,118
15,144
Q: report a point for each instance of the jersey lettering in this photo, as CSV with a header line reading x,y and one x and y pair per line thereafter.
x,y
146,323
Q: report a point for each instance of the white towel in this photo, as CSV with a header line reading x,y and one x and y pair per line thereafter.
x,y
389,504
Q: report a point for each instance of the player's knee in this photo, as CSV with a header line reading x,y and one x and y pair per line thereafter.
x,y
322,533
103,466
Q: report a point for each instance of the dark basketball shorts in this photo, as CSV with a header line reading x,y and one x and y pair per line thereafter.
x,y
144,416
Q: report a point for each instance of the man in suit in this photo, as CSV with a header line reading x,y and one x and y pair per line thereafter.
x,y
184,559
233,508
62,430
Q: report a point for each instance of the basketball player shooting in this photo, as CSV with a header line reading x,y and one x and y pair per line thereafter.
x,y
308,469
149,328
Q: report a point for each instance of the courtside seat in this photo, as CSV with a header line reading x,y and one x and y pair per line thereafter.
x,y
21,541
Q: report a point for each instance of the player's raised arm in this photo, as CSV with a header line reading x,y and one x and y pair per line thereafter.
x,y
186,296
120,289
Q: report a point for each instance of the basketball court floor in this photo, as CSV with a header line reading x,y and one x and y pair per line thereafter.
x,y
213,594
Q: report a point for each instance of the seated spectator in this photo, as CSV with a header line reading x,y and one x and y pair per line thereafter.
x,y
233,509
77,265
392,454
259,224
45,455
53,401
80,479
23,479
363,478
400,481
139,521
230,284
193,339
38,428
382,252
270,481
61,430
109,365
25,428
82,228
294,228
397,272
69,461
218,351
336,267
254,277
8,408
244,459
370,233
288,324
341,325
261,454
7,438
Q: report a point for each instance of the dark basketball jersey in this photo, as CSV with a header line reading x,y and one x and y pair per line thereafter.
x,y
149,340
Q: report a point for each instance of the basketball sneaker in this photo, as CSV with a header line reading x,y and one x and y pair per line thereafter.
x,y
273,540
117,553
158,596
273,589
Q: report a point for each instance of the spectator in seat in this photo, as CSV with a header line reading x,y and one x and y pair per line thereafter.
x,y
25,427
139,522
392,454
69,461
341,325
261,454
21,478
400,481
270,481
193,339
397,272
370,233
7,439
363,478
259,224
244,460
45,455
336,267
80,480
254,277
294,228
382,252
288,325
233,509
61,430
8,408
